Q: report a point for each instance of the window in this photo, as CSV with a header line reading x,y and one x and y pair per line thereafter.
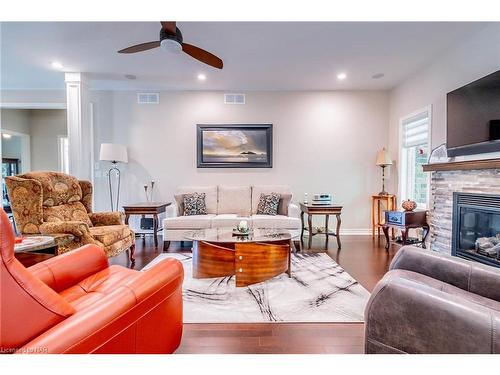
x,y
414,152
63,153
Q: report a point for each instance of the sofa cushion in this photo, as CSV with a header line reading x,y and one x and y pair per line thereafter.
x,y
210,195
278,221
194,204
228,220
179,202
268,204
189,222
285,200
257,190
235,200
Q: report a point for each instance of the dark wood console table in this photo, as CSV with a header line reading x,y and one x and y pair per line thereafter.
x,y
404,221
326,210
147,208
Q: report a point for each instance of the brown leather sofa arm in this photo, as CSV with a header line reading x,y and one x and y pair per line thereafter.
x,y
68,269
106,218
404,316
76,228
470,276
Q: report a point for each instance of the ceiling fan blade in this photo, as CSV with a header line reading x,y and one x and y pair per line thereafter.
x,y
140,47
169,26
202,55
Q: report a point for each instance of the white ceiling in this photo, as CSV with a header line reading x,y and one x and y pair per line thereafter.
x,y
257,55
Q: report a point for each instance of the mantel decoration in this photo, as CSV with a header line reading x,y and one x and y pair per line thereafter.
x,y
115,153
383,160
235,146
440,155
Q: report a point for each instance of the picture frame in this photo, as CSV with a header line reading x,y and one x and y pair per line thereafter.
x,y
235,146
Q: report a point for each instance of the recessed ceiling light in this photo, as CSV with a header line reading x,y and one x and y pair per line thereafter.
x,y
341,76
6,136
202,77
378,75
57,65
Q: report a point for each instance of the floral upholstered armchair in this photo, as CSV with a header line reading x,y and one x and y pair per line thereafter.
x,y
54,203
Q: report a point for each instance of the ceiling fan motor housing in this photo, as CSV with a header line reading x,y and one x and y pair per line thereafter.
x,y
171,42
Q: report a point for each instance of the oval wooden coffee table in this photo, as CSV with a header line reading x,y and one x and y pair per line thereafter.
x,y
260,256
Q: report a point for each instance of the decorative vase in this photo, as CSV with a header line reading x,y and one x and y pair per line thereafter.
x,y
409,205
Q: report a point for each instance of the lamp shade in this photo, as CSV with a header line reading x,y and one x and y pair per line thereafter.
x,y
383,158
113,152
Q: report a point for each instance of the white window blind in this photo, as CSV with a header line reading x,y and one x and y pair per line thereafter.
x,y
416,130
414,182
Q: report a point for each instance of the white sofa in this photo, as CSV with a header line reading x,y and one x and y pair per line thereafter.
x,y
226,207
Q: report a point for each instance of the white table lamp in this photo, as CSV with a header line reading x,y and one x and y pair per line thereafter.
x,y
115,153
383,160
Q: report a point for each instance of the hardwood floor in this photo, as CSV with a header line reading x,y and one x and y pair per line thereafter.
x,y
361,256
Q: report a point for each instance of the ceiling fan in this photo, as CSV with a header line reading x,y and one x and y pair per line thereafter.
x,y
171,40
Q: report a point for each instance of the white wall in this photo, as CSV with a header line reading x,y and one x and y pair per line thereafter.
x,y
323,142
45,127
17,120
475,57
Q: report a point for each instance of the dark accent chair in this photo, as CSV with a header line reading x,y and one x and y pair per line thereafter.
x,y
434,303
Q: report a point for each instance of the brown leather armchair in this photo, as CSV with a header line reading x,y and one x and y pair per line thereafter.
x,y
77,303
55,203
434,303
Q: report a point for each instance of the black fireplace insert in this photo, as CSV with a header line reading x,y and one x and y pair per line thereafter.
x,y
476,227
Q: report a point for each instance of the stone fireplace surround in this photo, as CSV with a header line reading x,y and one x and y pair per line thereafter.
x,y
445,181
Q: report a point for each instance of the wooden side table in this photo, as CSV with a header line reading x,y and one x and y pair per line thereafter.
x,y
389,202
404,221
147,208
326,210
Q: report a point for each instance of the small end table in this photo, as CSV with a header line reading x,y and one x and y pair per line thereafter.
x,y
389,201
326,210
404,221
147,208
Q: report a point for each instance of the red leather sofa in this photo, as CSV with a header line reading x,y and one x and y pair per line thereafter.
x,y
77,303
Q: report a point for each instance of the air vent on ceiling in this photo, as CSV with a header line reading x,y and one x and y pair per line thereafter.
x,y
234,98
148,98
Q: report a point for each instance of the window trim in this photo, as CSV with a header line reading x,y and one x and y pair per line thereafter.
x,y
402,120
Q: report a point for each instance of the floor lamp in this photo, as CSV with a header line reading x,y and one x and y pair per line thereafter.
x,y
114,153
383,160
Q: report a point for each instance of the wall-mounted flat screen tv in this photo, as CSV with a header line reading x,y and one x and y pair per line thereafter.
x,y
473,117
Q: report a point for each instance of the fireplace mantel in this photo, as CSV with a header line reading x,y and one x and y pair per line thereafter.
x,y
463,165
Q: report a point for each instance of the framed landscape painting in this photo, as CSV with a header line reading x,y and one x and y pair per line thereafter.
x,y
235,146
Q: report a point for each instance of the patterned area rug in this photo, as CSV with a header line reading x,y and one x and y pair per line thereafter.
x,y
318,291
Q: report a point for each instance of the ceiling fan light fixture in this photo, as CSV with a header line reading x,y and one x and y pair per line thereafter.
x,y
171,45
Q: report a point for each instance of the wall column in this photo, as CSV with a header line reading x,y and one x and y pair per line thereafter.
x,y
79,126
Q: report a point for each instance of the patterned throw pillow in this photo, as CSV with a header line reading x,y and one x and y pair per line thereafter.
x,y
268,204
194,204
